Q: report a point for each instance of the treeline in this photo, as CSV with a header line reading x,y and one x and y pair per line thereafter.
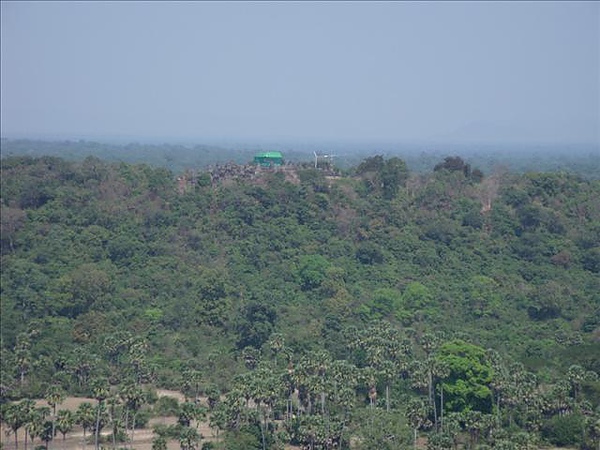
x,y
579,159
367,309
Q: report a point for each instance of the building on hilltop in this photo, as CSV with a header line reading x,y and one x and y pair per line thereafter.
x,y
269,159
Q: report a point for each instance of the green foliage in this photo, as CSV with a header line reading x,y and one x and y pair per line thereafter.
x,y
369,253
482,296
242,440
316,432
256,325
394,175
166,406
466,387
454,164
294,280
312,271
383,177
564,430
416,299
383,303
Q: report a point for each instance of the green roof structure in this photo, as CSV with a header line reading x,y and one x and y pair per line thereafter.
x,y
269,159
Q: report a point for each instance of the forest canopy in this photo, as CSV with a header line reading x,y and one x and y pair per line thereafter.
x,y
447,303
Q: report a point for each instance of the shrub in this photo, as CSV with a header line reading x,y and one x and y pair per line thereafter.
x,y
564,430
166,406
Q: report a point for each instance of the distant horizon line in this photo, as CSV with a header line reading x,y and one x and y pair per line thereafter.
x,y
216,140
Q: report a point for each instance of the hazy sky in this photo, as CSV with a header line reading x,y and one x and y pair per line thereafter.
x,y
509,71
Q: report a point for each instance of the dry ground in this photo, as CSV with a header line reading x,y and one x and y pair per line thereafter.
x,y
74,441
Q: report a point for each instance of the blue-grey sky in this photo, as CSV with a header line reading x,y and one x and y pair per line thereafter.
x,y
395,71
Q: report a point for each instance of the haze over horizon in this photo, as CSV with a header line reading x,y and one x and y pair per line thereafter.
x,y
337,71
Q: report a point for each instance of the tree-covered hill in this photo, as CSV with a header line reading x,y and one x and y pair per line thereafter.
x,y
405,298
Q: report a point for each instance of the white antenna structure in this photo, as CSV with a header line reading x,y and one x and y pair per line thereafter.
x,y
323,156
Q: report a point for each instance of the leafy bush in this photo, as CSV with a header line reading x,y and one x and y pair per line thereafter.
x,y
166,406
564,430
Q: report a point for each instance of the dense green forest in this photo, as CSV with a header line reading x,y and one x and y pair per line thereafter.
x,y
363,310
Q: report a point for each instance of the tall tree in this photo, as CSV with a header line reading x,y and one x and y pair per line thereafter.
x,y
113,403
100,391
133,399
65,420
85,416
31,417
470,374
35,425
54,397
385,350
416,412
14,415
23,356
189,438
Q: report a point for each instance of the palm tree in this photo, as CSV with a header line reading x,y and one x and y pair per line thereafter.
x,y
191,384
428,374
133,398
251,357
451,426
438,371
81,365
430,342
576,376
512,387
345,378
290,387
28,411
112,403
277,345
213,394
416,412
269,389
559,400
46,432
218,419
234,404
499,383
386,351
189,438
138,367
64,423
54,396
257,393
241,394
23,356
34,427
323,362
318,432
310,378
159,442
85,416
12,419
187,413
474,423
100,390
388,369
369,377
